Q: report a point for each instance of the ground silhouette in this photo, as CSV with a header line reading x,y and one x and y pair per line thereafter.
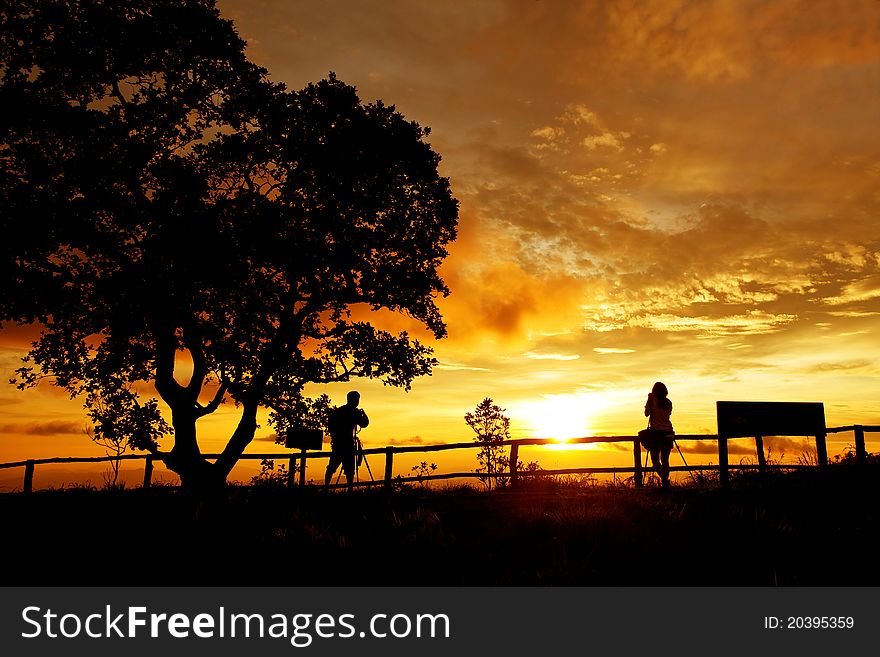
x,y
784,529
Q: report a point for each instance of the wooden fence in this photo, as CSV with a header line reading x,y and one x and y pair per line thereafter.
x,y
297,461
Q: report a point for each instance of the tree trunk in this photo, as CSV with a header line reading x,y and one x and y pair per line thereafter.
x,y
241,438
185,458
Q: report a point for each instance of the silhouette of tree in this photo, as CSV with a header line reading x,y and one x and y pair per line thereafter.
x,y
492,428
161,198
119,420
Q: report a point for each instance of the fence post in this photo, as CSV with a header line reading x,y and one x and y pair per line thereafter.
x,y
861,450
759,447
302,467
389,466
821,450
148,471
29,477
637,461
514,456
723,468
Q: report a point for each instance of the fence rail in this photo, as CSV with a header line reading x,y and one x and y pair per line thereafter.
x,y
297,461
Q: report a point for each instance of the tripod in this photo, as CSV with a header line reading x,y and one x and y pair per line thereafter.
x,y
675,442
690,472
359,456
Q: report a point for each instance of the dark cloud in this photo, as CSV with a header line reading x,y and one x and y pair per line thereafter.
x,y
841,367
738,447
774,447
411,440
51,428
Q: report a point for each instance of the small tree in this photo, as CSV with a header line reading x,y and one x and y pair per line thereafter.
x,y
492,428
120,420
422,471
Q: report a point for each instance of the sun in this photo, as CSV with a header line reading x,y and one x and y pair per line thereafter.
x,y
562,416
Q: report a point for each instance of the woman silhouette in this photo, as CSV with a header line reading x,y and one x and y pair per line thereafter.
x,y
660,436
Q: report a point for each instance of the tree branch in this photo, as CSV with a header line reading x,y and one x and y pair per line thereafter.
x,y
346,373
241,438
117,93
214,403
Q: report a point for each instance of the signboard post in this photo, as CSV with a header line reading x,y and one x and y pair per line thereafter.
x,y
738,419
302,439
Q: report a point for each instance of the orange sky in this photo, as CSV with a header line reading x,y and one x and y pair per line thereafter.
x,y
668,190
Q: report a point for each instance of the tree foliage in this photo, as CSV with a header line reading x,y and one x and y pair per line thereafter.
x,y
163,196
492,428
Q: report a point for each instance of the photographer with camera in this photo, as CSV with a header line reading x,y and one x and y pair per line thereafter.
x,y
659,437
343,424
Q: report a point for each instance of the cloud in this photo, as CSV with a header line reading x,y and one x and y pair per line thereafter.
x,y
774,447
548,134
411,440
460,367
537,356
867,289
608,139
854,313
704,447
503,300
857,364
752,323
722,42
581,115
852,256
51,428
711,447
650,309
734,448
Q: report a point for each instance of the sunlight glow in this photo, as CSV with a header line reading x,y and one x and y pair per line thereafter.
x,y
562,416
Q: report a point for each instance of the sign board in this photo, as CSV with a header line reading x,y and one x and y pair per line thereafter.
x,y
751,419
301,438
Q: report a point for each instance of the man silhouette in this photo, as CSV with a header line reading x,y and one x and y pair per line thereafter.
x,y
343,423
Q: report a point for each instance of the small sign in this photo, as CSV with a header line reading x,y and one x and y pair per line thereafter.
x,y
301,438
751,419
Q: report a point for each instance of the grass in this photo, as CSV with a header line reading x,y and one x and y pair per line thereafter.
x,y
790,529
